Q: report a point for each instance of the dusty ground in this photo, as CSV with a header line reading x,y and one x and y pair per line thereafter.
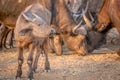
x,y
67,67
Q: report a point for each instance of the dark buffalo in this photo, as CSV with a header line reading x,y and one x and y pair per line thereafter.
x,y
102,16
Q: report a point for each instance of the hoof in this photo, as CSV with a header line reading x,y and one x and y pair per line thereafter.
x,y
58,54
118,52
51,51
82,54
30,79
47,70
19,74
30,76
47,66
34,69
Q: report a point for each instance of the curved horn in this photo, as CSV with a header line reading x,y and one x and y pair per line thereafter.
x,y
86,9
91,17
77,26
87,21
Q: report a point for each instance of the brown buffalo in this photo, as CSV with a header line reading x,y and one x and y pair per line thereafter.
x,y
32,31
66,26
109,15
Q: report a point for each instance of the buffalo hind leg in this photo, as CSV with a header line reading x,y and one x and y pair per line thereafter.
x,y
3,30
30,61
11,39
35,62
45,49
5,39
20,62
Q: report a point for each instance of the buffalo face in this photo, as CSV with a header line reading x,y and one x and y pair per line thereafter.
x,y
75,42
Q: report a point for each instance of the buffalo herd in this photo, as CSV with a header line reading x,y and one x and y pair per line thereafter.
x,y
41,25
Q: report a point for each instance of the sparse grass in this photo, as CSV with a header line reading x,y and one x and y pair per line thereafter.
x,y
66,67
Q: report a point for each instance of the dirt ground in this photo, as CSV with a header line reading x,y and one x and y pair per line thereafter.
x,y
95,66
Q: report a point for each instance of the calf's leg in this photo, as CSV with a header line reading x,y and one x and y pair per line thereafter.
x,y
35,62
45,49
20,62
30,61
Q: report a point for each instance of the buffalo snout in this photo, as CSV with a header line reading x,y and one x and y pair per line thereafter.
x,y
52,32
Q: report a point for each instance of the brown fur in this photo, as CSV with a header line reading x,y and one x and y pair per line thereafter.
x,y
109,14
103,17
106,16
9,16
3,30
64,23
114,13
34,37
11,9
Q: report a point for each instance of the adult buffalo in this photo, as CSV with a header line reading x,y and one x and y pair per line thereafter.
x,y
62,19
102,16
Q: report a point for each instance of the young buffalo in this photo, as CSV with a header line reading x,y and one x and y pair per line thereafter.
x,y
32,31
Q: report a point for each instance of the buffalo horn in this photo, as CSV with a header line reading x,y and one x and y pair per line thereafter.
x,y
77,26
87,21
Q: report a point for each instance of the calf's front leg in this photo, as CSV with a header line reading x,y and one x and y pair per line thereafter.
x,y
45,49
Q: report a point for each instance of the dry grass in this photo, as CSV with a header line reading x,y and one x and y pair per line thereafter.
x,y
67,67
